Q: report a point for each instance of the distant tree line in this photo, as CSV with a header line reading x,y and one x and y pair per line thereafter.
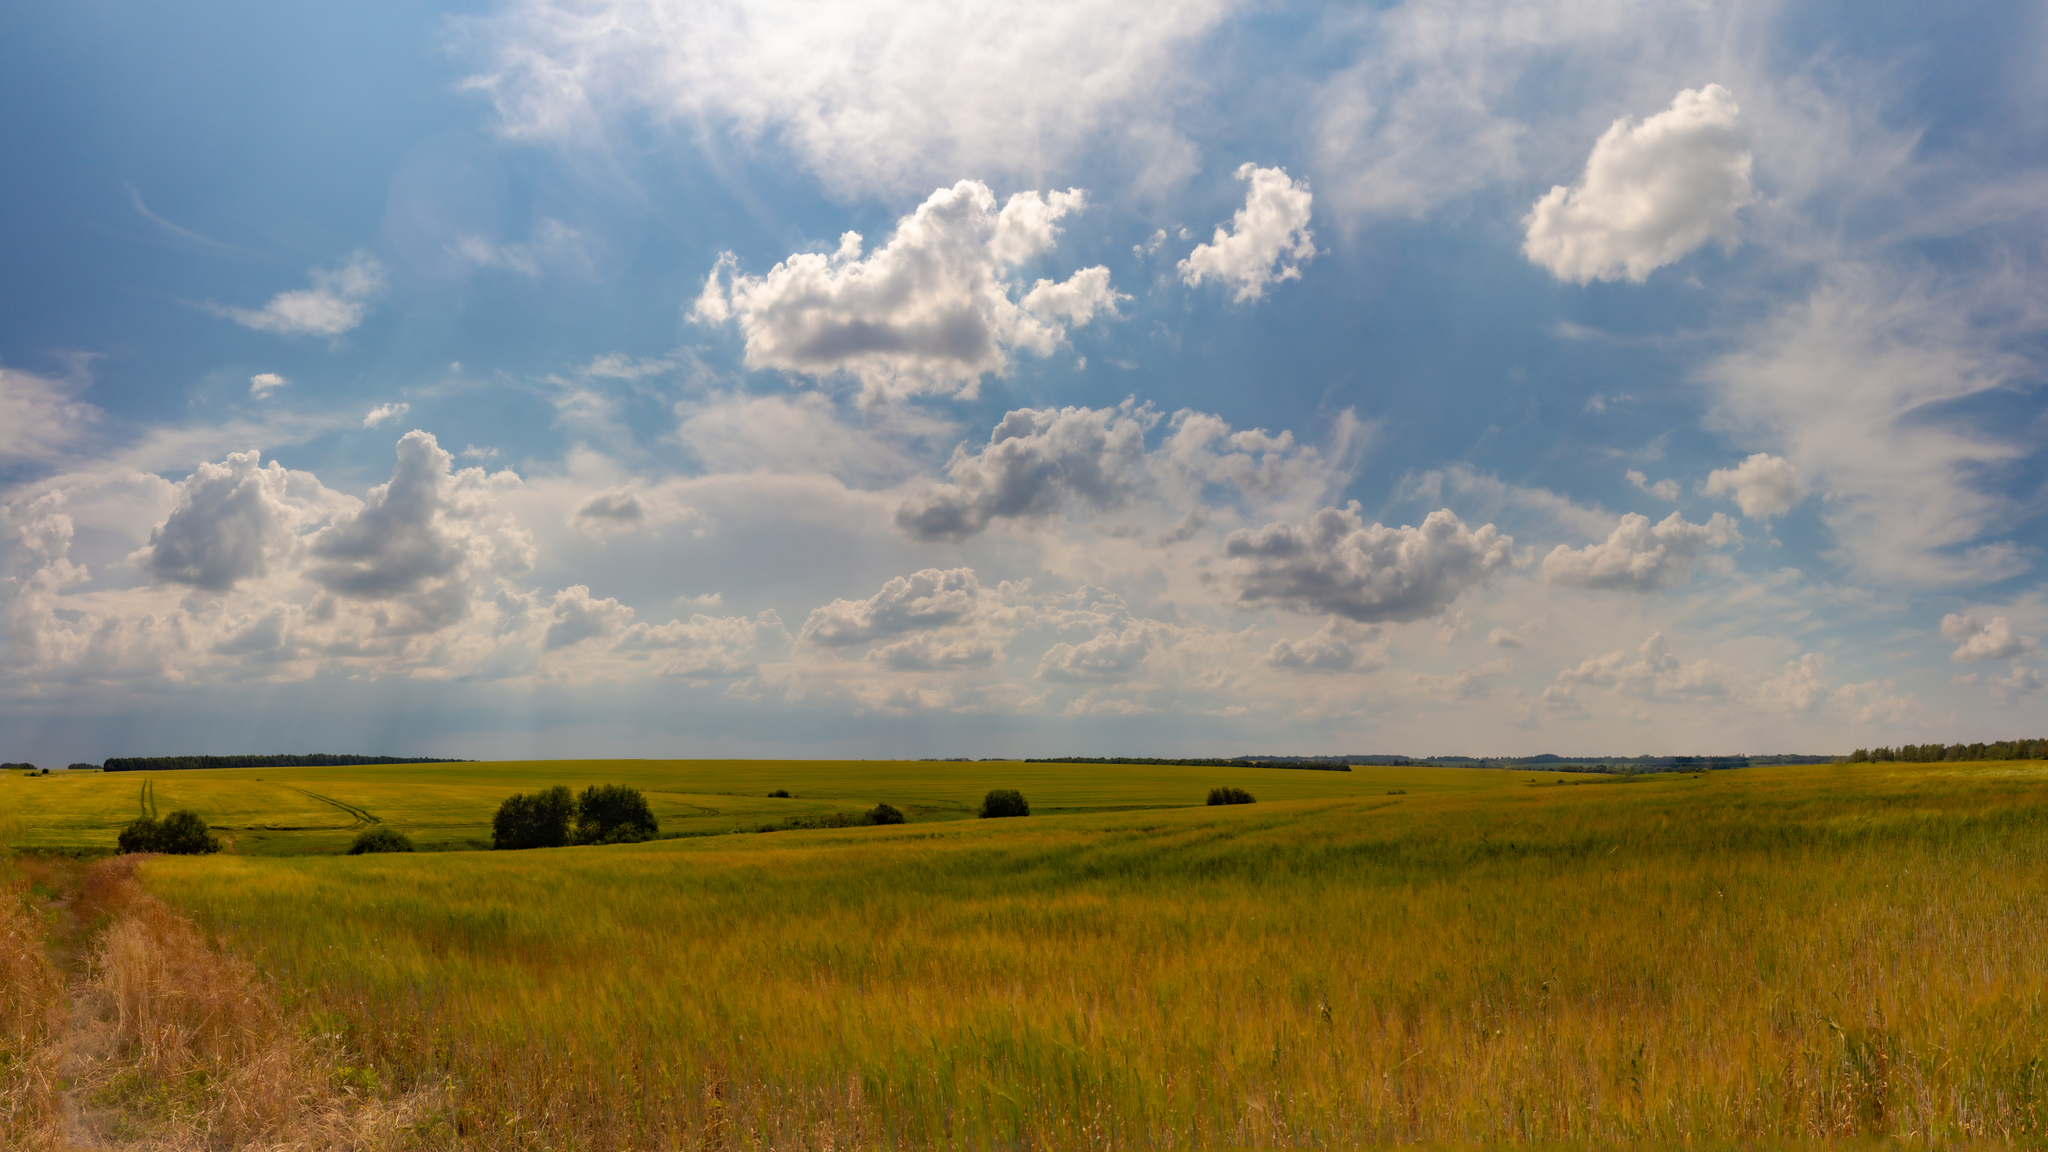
x,y
1548,762
281,760
1316,763
1935,753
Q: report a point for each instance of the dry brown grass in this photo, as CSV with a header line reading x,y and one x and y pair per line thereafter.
x,y
172,1044
31,1019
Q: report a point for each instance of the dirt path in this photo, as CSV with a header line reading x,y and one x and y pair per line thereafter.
x,y
170,1045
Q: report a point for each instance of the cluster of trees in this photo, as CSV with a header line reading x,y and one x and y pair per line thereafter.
x,y
1934,753
380,839
1004,802
554,818
1228,795
178,834
281,760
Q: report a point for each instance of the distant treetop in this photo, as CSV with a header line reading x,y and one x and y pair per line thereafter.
x,y
280,760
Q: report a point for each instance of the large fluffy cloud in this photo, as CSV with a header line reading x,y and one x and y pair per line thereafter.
x,y
1338,564
928,599
1268,239
1340,646
233,520
1977,640
931,310
872,97
335,304
1638,556
1038,461
419,540
1035,459
1651,193
1763,485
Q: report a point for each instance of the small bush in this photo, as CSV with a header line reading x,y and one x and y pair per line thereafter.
x,y
1004,802
538,821
1228,795
380,839
884,814
179,834
779,794
613,814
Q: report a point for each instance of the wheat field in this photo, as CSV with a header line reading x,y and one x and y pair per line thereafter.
x,y
1767,956
301,811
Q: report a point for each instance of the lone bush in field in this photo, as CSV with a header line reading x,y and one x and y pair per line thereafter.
x,y
884,814
779,794
179,834
1004,802
380,839
541,820
613,814
1229,795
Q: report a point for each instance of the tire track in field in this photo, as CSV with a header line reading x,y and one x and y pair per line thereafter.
x,y
358,817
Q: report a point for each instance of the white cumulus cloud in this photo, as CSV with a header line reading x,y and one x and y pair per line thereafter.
x,y
1340,565
335,304
1764,485
1035,459
264,383
1978,640
421,542
233,520
873,97
1666,489
1638,556
1651,193
929,311
1339,646
1268,239
932,598
1110,656
384,413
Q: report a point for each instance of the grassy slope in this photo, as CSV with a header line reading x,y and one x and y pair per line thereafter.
x,y
290,811
1772,954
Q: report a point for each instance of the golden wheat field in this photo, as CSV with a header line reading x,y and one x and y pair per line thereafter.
x,y
1762,957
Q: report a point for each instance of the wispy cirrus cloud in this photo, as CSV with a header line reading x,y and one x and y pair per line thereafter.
x,y
333,306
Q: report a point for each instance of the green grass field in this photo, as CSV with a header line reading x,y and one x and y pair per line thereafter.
x,y
1755,957
300,811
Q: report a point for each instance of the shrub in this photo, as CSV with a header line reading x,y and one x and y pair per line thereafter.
x,y
538,821
884,814
613,814
380,839
179,834
779,794
1229,795
1004,802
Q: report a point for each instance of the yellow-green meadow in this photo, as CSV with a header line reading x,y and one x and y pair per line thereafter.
x,y
294,811
1763,956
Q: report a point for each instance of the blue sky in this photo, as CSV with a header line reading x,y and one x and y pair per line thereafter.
x,y
627,377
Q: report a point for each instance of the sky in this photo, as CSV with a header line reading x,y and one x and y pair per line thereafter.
x,y
578,378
